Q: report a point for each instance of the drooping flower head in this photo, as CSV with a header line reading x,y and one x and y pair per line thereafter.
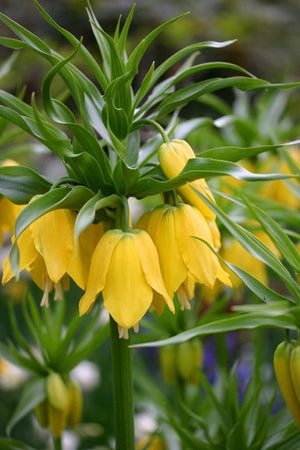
x,y
184,259
173,156
125,268
47,251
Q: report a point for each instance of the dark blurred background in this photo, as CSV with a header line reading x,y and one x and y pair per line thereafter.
x,y
267,31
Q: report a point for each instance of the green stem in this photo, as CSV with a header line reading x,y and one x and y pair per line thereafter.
x,y
57,443
122,390
158,127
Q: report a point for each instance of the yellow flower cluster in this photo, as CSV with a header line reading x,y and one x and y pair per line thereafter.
x,y
136,269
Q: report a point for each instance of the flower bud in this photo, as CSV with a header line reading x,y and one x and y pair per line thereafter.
x,y
41,413
295,369
167,358
57,391
57,420
283,371
173,156
74,404
189,360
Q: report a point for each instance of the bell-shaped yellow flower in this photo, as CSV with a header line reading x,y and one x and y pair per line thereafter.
x,y
47,251
173,156
184,259
125,268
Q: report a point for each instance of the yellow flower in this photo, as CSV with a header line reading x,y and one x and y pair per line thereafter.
x,y
125,268
173,156
184,260
47,249
8,210
235,253
280,190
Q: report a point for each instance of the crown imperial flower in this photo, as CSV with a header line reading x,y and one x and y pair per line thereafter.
x,y
47,251
173,156
125,268
184,259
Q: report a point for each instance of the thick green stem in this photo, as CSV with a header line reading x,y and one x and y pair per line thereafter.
x,y
122,390
57,444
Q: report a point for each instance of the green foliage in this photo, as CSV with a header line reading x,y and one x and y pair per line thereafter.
x,y
55,349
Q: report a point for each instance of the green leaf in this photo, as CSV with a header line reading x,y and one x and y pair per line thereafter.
x,y
33,393
140,49
160,91
51,137
87,171
22,342
122,40
58,198
189,93
91,62
19,184
263,292
232,153
87,213
12,444
133,148
29,38
199,168
86,348
56,110
84,141
5,353
172,60
254,246
271,315
278,236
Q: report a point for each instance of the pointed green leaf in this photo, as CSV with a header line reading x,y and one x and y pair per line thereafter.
x,y
277,315
254,246
234,154
199,168
75,42
19,184
33,393
87,213
139,51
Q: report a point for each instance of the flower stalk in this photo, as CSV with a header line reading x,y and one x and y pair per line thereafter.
x,y
122,389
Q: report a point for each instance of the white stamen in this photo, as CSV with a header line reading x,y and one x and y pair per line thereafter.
x,y
123,332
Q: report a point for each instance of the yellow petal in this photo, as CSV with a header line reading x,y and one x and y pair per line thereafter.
x,y
99,267
173,156
197,256
215,233
53,238
223,276
192,198
80,264
173,268
150,265
127,295
27,254
142,222
8,216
